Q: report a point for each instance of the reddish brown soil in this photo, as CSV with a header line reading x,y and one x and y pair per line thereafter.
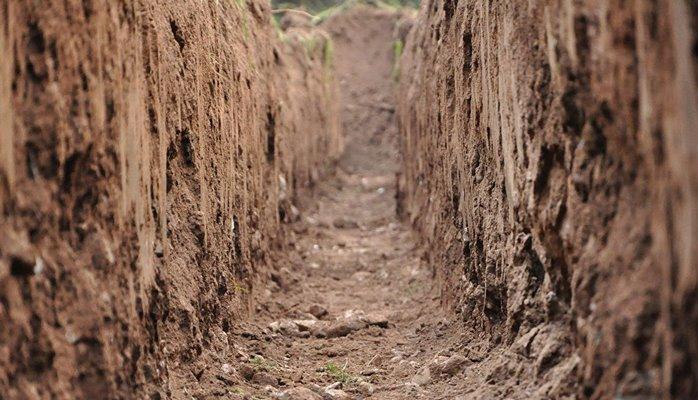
x,y
149,152
179,220
550,165
351,256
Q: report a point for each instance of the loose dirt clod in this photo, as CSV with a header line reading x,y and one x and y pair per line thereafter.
x,y
317,310
298,394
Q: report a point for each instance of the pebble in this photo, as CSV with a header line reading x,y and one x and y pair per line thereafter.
x,y
299,393
336,394
317,310
366,388
422,377
246,372
377,319
286,327
344,327
263,378
226,368
305,324
344,223
453,364
369,372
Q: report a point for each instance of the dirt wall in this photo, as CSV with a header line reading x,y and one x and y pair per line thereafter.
x,y
550,163
149,150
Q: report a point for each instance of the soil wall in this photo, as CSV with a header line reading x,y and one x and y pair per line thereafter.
x,y
551,165
149,150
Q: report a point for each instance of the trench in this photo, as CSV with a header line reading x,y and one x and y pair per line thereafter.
x,y
223,200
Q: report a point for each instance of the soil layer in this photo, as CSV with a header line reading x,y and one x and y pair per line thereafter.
x,y
149,152
550,165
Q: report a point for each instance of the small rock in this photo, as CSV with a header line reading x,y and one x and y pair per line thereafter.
x,y
453,365
246,372
263,378
522,345
226,368
345,327
361,276
366,388
39,266
285,327
305,324
300,393
422,377
336,394
295,214
319,330
344,223
377,319
316,388
369,372
303,334
282,278
304,315
158,249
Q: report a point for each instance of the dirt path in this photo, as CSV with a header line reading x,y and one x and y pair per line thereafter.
x,y
358,271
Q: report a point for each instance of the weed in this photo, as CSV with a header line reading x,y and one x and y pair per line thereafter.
x,y
324,14
328,53
339,374
398,47
262,363
309,42
277,28
237,287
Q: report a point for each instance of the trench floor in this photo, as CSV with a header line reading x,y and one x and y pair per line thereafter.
x,y
354,314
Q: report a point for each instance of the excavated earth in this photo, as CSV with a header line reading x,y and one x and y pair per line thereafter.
x,y
199,203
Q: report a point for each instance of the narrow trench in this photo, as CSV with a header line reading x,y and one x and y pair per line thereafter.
x,y
355,313
181,217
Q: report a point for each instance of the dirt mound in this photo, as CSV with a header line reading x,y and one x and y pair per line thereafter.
x,y
550,164
149,151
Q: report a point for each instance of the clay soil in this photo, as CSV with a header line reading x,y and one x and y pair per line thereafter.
x,y
340,277
352,310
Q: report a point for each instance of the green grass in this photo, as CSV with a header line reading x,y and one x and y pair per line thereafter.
x,y
398,48
339,374
277,28
262,363
237,287
324,14
309,42
328,53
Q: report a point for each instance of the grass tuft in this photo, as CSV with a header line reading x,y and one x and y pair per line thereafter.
x,y
262,363
398,47
328,53
339,374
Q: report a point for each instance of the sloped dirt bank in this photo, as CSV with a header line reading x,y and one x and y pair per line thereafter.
x,y
149,151
550,165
